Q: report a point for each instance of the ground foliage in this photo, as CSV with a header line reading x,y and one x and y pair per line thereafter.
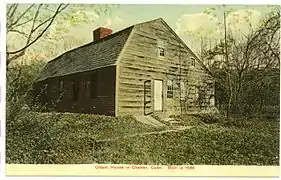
x,y
71,138
233,142
61,138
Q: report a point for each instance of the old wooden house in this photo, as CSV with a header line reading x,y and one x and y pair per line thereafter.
x,y
141,70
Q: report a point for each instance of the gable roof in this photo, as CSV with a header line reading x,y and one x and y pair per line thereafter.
x,y
94,55
88,57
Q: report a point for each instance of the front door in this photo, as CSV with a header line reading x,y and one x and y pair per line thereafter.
x,y
158,95
147,98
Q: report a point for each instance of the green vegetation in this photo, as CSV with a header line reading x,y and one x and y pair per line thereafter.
x,y
33,137
70,138
235,142
63,138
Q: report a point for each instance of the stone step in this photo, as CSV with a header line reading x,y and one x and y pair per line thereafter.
x,y
168,119
176,123
150,121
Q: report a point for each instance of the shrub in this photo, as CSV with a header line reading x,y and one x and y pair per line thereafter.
x,y
210,118
189,120
197,119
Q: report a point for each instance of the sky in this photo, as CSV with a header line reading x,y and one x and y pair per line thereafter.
x,y
186,20
126,15
181,18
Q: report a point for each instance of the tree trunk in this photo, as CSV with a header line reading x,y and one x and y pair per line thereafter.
x,y
230,97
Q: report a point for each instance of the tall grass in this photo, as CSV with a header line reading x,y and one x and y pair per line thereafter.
x,y
254,143
62,138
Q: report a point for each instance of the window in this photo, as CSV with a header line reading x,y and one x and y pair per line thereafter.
x,y
88,85
84,88
212,100
192,61
94,85
76,89
60,89
161,48
170,89
183,90
161,52
61,84
197,93
45,89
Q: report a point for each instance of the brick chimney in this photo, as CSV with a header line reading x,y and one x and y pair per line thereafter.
x,y
101,33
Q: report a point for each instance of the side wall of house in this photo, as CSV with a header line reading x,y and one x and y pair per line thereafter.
x,y
60,92
140,64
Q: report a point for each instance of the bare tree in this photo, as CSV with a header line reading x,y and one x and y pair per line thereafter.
x,y
18,19
29,24
252,56
264,44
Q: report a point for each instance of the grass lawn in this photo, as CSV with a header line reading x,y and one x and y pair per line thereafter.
x,y
63,138
69,138
235,142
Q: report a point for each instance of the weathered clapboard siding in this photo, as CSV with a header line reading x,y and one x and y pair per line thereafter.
x,y
155,61
140,62
62,100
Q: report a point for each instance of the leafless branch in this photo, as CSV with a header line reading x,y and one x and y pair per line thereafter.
x,y
15,7
19,18
20,32
10,8
20,24
50,20
33,24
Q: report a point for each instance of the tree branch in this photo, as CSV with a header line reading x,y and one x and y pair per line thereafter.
x,y
10,8
50,18
11,16
33,24
20,24
19,18
41,34
20,32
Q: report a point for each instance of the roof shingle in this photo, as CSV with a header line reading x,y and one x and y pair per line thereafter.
x,y
88,57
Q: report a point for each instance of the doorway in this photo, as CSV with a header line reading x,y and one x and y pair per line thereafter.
x,y
158,95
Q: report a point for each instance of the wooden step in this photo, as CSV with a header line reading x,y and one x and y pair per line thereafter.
x,y
176,123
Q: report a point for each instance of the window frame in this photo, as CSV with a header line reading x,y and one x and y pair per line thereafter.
x,y
75,90
94,84
197,93
161,50
182,86
193,61
61,84
170,89
61,88
45,88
